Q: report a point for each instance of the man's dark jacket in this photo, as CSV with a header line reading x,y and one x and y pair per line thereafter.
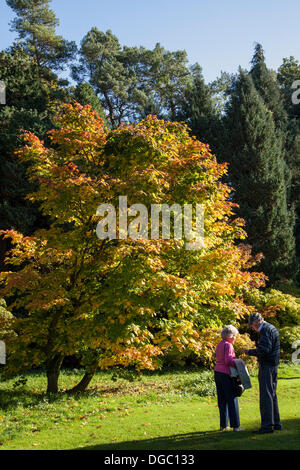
x,y
268,346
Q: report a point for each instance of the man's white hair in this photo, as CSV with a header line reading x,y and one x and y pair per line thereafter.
x,y
229,331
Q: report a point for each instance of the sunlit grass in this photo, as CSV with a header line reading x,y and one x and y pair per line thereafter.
x,y
170,410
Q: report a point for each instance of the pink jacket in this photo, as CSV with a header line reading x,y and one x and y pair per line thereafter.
x,y
225,357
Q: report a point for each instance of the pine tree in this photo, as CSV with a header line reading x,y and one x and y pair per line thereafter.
x,y
36,26
198,110
28,107
132,82
288,73
257,173
84,94
265,81
25,108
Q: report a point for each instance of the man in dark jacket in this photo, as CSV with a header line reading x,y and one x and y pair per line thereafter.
x,y
268,355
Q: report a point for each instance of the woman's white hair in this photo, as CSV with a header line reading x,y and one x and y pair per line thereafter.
x,y
229,331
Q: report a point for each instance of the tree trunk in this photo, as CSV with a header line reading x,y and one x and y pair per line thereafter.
x,y
111,112
84,382
4,247
53,369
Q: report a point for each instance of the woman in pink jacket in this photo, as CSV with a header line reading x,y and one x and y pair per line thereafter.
x,y
227,402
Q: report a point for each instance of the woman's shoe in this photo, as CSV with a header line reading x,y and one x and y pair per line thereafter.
x,y
238,429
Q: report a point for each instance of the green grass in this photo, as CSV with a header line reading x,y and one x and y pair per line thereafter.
x,y
169,411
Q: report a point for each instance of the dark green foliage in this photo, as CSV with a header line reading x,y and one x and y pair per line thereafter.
x,y
31,88
293,160
168,75
132,82
288,74
257,173
113,77
26,108
198,109
265,81
84,94
262,147
35,24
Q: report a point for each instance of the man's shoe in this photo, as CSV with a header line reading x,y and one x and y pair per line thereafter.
x,y
277,428
238,429
263,431
225,429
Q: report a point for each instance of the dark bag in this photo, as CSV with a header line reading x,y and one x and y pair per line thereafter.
x,y
238,388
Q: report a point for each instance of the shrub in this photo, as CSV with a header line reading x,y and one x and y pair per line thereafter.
x,y
6,319
287,336
206,356
276,307
202,384
210,339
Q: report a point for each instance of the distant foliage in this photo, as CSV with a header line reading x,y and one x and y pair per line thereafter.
x,y
206,356
288,335
280,309
6,321
202,384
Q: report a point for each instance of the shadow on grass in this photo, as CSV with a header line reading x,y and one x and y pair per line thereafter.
x,y
10,400
28,395
287,439
287,378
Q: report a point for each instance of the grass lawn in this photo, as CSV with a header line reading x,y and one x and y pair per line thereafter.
x,y
167,411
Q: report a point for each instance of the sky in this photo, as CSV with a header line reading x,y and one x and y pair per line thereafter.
x,y
218,34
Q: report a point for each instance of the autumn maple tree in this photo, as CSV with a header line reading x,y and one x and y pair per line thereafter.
x,y
122,301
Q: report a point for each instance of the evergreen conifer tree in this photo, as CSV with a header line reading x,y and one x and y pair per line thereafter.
x,y
288,73
257,173
85,94
36,25
25,109
198,109
265,81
